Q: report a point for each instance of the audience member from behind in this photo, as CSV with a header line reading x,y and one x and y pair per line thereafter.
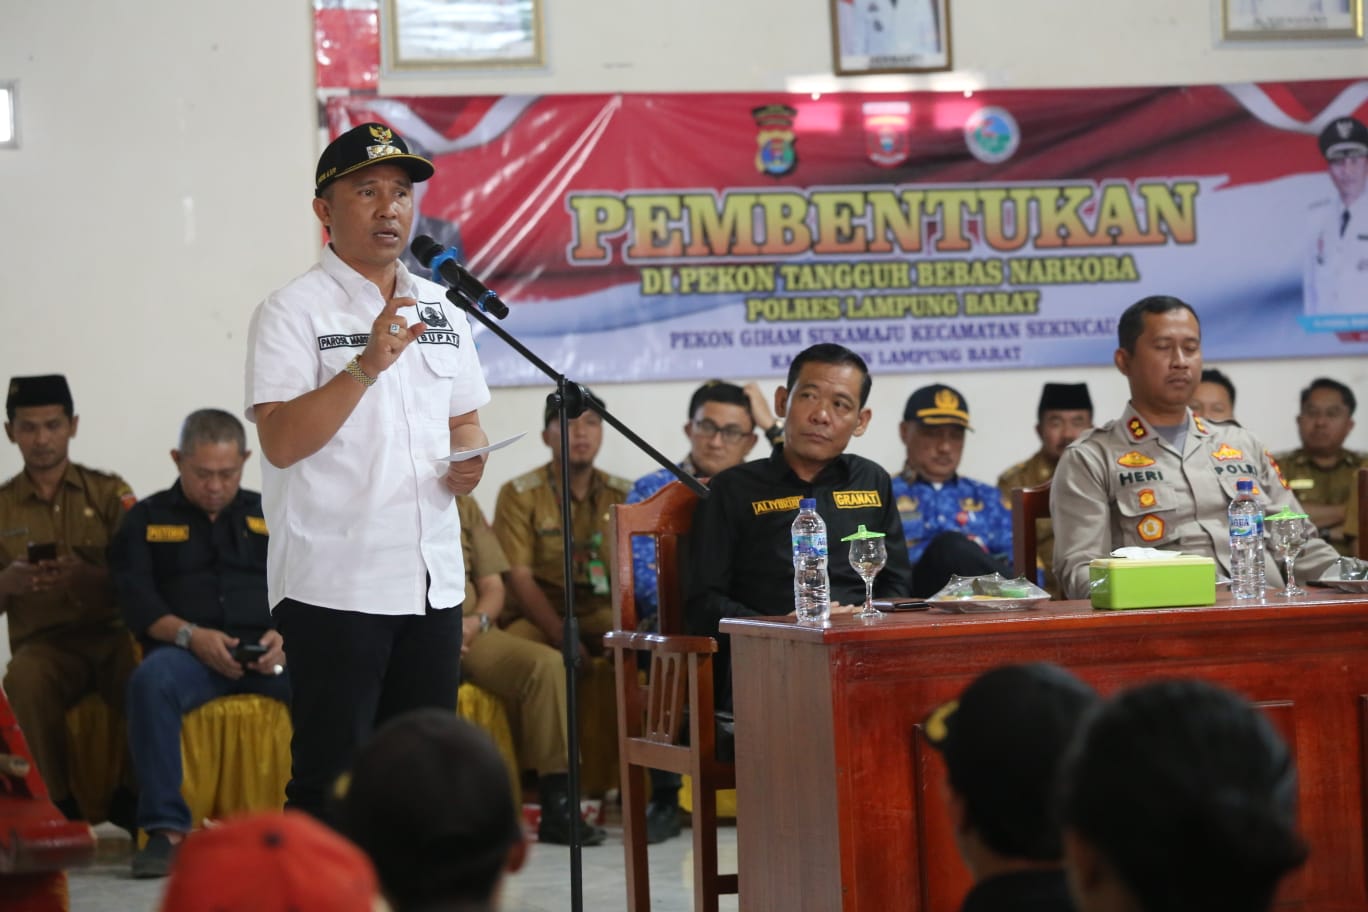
x,y
1322,471
953,525
1214,398
189,568
1158,476
1003,741
282,861
1178,796
1065,412
66,638
429,799
740,550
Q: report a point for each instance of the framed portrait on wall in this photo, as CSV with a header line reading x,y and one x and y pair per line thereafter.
x,y
890,36
456,34
1281,20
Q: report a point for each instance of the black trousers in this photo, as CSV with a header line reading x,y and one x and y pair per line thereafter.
x,y
350,672
948,554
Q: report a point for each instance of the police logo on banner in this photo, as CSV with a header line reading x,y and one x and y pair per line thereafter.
x,y
776,155
992,135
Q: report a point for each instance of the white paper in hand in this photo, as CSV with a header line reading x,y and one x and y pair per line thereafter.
x,y
461,455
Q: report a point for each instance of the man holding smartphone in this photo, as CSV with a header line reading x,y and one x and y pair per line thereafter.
x,y
56,519
189,567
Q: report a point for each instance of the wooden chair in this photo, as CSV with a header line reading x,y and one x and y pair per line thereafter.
x,y
1028,505
1361,533
665,721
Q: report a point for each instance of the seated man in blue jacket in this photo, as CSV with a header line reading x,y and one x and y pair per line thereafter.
x,y
189,570
953,525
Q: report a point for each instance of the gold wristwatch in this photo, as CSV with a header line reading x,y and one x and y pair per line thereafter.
x,y
354,368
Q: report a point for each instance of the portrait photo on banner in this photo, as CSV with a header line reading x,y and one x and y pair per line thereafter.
x,y
1291,20
890,36
460,34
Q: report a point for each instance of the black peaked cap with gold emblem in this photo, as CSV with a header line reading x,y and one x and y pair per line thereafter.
x,y
937,404
368,144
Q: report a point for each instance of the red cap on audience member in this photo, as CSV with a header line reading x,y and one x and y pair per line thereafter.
x,y
273,862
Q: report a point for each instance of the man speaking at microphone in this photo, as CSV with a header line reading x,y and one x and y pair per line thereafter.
x,y
361,378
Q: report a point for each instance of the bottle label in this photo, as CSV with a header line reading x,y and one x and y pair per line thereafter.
x,y
1242,526
811,544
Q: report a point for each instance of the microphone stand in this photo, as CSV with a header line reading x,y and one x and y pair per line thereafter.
x,y
571,401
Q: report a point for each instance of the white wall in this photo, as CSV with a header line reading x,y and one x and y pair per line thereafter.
x,y
164,180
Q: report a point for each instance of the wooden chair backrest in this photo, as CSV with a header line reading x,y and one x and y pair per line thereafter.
x,y
1028,505
1362,508
665,517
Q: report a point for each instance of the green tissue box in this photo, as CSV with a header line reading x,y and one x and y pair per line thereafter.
x,y
1119,582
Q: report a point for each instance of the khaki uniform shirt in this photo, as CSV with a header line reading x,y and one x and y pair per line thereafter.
x,y
1314,485
81,519
1028,474
1124,485
527,520
480,549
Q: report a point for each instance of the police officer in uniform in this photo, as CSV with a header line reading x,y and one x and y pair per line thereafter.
x,y
527,520
1336,278
1321,471
528,677
66,638
1065,411
189,567
1158,476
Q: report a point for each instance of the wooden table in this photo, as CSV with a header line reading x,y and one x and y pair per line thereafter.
x,y
840,801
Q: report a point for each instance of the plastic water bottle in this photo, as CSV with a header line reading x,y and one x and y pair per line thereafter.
x,y
1246,543
811,585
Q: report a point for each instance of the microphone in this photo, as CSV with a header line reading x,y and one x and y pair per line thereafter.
x,y
443,262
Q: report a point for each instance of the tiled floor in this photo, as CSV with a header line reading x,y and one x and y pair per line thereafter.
x,y
542,886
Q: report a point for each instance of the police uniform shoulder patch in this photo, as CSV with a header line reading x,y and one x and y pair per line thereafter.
x,y
529,481
617,484
257,524
1201,425
1277,469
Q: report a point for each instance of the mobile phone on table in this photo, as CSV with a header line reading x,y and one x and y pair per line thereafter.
x,y
901,604
247,653
41,551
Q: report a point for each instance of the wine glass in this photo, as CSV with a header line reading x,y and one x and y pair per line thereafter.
x,y
1287,535
867,557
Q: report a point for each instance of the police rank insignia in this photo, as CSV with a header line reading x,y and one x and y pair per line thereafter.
x,y
1137,429
776,155
1134,460
1225,452
1150,528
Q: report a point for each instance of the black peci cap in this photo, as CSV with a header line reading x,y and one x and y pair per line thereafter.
x,y
47,389
1064,397
368,144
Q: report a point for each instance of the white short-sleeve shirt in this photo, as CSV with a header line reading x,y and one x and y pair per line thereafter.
x,y
361,524
1336,277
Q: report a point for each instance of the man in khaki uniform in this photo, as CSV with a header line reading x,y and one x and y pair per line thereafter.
x,y
1322,471
1065,411
1158,476
527,520
66,637
528,677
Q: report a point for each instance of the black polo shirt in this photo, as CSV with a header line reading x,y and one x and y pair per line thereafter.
x,y
740,552
168,558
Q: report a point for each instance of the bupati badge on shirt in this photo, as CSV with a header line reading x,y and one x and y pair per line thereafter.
x,y
598,577
168,534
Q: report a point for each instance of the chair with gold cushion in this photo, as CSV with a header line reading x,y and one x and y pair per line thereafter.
x,y
665,721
